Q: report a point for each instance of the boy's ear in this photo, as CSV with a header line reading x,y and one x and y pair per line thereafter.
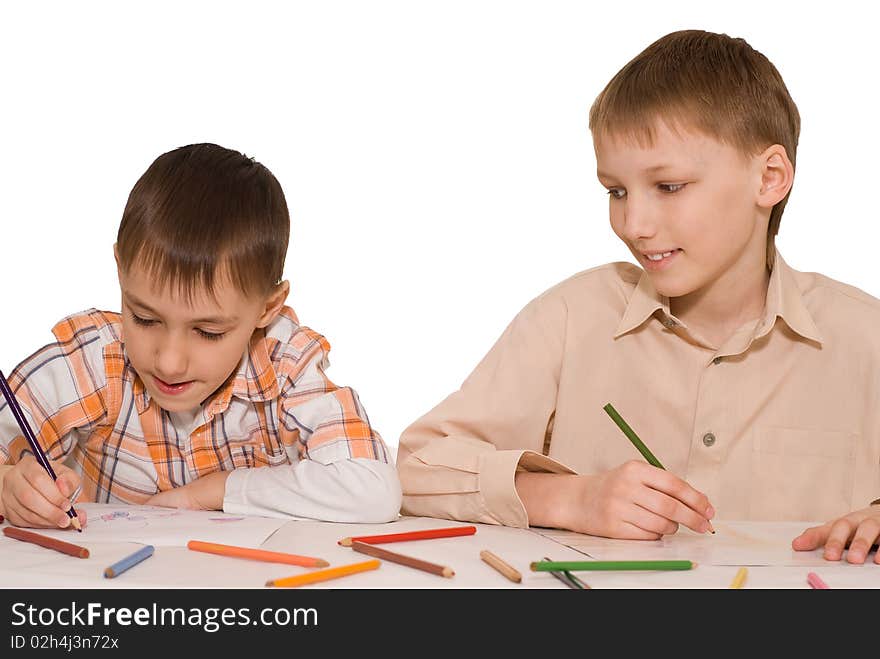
x,y
274,303
777,176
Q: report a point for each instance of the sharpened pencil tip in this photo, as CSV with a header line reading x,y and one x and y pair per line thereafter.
x,y
321,563
345,542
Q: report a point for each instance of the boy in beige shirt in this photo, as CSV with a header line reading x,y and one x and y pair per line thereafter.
x,y
754,384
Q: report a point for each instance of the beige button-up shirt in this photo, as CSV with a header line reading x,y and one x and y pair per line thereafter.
x,y
782,422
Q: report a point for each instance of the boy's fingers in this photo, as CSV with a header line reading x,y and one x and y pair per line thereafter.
x,y
31,509
42,499
681,490
68,484
810,539
40,480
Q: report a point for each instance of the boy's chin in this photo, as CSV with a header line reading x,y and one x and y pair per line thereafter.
x,y
670,287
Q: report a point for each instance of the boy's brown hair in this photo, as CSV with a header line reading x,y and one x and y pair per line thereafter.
x,y
709,82
202,211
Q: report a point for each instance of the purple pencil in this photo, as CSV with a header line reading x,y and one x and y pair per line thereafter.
x,y
37,450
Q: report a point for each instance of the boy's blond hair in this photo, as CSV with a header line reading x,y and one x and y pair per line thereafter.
x,y
709,82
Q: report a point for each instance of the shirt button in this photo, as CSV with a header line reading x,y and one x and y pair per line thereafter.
x,y
708,439
717,360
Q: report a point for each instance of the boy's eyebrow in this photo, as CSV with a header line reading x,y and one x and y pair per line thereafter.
x,y
210,320
647,170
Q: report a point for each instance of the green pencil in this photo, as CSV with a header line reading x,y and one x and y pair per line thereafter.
x,y
638,443
574,566
633,437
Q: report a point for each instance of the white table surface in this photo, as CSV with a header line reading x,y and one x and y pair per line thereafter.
x,y
25,565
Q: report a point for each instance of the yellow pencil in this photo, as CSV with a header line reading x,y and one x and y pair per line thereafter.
x,y
740,578
324,575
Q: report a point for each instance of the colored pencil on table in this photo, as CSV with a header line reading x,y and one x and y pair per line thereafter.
x,y
45,541
448,532
501,566
256,554
569,579
576,581
324,575
36,449
402,559
638,443
129,561
740,579
816,581
573,566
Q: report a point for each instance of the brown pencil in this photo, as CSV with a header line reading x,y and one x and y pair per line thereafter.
x,y
409,561
46,541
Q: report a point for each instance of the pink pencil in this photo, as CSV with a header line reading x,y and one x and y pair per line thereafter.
x,y
815,581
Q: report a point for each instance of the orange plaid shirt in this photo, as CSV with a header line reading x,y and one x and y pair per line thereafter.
x,y
85,402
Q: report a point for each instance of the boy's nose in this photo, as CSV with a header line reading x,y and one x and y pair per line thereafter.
x,y
638,223
171,361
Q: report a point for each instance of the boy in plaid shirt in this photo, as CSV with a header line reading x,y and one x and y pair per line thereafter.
x,y
205,392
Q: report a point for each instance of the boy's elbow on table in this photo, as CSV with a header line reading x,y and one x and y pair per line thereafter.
x,y
381,498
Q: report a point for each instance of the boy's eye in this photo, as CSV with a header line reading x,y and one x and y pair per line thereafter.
x,y
616,193
211,336
671,187
145,322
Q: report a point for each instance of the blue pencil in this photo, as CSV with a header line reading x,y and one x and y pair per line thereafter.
x,y
131,560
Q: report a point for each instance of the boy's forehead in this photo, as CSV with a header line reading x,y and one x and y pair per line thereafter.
x,y
661,146
168,297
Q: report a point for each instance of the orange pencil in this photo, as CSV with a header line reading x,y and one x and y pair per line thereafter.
x,y
256,554
427,534
46,541
324,575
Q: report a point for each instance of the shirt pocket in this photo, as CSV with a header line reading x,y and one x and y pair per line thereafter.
x,y
801,474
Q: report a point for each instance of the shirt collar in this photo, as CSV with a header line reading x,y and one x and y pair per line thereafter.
x,y
643,303
784,300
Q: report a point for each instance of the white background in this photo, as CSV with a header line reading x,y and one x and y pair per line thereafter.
x,y
435,155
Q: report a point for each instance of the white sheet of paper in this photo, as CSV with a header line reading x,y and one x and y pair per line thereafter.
x,y
734,543
158,526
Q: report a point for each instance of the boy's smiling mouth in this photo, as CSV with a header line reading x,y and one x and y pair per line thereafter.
x,y
656,260
172,389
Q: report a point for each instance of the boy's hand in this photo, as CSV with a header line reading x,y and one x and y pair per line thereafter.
x,y
633,501
859,529
205,493
30,497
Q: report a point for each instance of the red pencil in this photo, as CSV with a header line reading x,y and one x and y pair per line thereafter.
x,y
448,532
45,541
